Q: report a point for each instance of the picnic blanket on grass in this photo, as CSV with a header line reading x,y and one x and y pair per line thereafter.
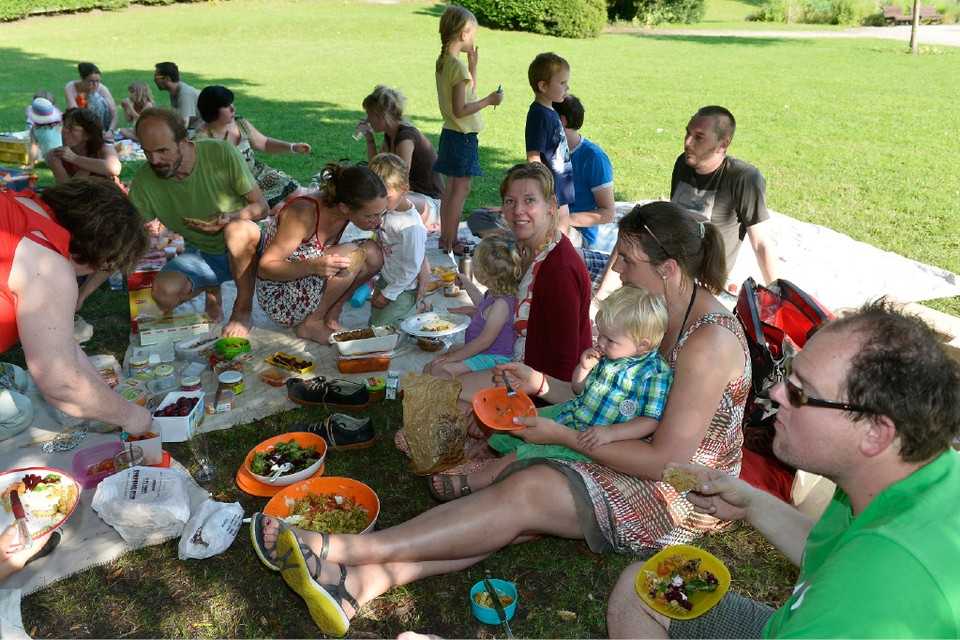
x,y
839,271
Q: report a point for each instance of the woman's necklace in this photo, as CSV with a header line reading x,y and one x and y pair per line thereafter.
x,y
686,316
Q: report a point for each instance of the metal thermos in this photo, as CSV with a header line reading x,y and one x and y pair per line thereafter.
x,y
466,265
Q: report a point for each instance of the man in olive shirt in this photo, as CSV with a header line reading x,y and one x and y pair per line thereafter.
x,y
185,183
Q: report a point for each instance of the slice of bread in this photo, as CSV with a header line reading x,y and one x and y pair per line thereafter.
x,y
681,480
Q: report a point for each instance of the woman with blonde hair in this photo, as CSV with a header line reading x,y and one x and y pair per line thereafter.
x,y
385,108
141,97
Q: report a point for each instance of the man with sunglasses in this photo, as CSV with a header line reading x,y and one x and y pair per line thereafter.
x,y
873,403
728,192
183,97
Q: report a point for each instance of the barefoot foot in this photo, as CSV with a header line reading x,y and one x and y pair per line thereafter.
x,y
239,325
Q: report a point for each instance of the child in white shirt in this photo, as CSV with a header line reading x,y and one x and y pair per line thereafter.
x,y
403,238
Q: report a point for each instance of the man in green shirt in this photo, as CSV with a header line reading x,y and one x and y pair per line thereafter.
x,y
872,403
204,192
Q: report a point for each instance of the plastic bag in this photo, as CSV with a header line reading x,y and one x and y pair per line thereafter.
x,y
211,530
434,426
146,505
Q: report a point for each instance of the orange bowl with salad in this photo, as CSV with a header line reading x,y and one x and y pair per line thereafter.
x,y
327,504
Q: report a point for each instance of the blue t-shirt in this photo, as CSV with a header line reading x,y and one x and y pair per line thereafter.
x,y
544,134
591,170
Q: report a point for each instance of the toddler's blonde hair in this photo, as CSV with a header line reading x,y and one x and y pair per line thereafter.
x,y
46,95
544,67
453,22
392,170
641,315
497,265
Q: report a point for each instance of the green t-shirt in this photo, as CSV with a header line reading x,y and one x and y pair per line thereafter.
x,y
219,181
891,572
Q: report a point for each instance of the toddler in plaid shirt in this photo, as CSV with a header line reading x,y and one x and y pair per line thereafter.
x,y
621,384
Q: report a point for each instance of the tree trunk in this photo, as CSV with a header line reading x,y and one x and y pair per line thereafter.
x,y
914,27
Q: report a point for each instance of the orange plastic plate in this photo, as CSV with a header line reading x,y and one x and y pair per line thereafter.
x,y
497,410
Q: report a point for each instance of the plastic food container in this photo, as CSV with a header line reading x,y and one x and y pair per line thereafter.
x,y
85,459
192,349
152,445
383,339
227,403
232,347
363,365
179,428
274,378
488,615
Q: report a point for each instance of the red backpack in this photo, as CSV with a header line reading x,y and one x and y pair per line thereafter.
x,y
777,320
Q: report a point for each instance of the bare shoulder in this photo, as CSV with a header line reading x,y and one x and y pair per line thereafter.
x,y
712,347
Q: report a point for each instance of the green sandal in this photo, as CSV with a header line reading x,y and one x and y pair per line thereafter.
x,y
323,600
260,547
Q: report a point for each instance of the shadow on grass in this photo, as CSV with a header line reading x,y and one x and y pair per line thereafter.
x,y
748,41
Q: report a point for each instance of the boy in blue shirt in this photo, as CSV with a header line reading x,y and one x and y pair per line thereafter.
x,y
549,76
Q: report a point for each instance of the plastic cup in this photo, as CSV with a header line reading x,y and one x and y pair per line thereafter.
x,y
131,456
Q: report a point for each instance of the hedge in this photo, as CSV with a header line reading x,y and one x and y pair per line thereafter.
x,y
653,12
19,9
563,18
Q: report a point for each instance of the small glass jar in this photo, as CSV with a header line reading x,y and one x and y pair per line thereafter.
x,y
450,288
163,378
137,364
232,380
191,383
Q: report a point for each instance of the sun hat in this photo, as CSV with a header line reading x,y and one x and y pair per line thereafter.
x,y
42,111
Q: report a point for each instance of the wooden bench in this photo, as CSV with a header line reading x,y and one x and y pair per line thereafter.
x,y
929,13
895,15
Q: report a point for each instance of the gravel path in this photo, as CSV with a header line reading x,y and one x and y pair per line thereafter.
x,y
940,34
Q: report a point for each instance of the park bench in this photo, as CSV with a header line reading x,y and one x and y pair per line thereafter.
x,y
929,13
895,15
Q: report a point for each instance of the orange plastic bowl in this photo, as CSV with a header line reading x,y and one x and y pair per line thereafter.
x,y
279,505
302,438
497,410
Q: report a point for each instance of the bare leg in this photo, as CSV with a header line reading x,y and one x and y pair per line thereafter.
x,y
241,238
628,616
455,194
213,304
324,321
536,500
172,288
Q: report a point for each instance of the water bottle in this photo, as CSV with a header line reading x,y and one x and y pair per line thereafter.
x,y
361,294
466,264
116,281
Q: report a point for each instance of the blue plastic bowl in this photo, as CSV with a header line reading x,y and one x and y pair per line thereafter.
x,y
489,616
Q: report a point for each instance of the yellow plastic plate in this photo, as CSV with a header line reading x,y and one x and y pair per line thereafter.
x,y
702,601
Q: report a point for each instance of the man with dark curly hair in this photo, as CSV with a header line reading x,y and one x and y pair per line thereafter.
x,y
873,403
74,228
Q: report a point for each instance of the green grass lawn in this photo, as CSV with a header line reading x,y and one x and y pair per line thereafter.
x,y
851,134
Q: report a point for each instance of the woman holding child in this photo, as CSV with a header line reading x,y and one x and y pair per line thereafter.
x,y
614,502
84,153
305,274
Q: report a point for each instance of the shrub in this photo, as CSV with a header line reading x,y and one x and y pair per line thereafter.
x,y
19,9
842,12
563,18
652,12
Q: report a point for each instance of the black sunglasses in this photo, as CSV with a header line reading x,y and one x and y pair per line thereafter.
x,y
798,398
643,222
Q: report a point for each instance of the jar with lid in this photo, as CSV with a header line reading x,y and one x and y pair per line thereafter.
x,y
232,380
450,288
163,378
136,365
190,383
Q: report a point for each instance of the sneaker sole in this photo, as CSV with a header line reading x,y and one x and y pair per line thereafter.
x,y
307,403
353,447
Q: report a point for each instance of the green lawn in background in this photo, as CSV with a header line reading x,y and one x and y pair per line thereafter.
x,y
851,134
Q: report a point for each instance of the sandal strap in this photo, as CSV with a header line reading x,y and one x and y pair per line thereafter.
x,y
339,590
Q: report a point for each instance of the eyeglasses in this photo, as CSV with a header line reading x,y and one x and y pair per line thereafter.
x,y
158,76
798,398
643,222
376,216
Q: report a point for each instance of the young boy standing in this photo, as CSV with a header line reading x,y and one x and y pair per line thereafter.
x,y
549,76
403,238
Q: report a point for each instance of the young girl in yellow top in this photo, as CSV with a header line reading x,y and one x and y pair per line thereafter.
x,y
458,158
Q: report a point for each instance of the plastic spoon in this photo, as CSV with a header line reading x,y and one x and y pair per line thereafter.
x,y
286,466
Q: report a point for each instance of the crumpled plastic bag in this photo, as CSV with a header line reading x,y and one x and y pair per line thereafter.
x,y
433,425
211,530
146,505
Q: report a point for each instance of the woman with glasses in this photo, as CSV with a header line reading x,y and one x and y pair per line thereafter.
x,y
84,153
305,275
614,503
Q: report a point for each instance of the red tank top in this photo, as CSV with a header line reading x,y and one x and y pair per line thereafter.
x,y
18,222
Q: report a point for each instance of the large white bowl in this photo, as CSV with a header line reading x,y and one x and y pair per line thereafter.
x,y
304,439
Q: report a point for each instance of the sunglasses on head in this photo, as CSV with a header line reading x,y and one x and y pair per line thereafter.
x,y
798,398
643,223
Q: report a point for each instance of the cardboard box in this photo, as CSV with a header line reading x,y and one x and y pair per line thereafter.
x,y
182,428
17,180
173,328
140,288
